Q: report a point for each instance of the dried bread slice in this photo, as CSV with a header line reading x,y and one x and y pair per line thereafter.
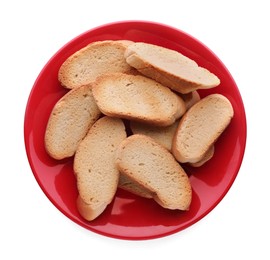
x,y
162,135
152,166
130,185
95,168
200,127
69,122
169,67
137,98
97,58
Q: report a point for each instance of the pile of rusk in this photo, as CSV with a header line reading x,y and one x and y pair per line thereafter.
x,y
132,116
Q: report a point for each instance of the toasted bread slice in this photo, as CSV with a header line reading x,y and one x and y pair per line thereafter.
x,y
137,98
169,67
162,135
69,122
96,59
130,185
152,166
200,127
95,168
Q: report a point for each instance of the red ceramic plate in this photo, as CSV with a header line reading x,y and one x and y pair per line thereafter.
x,y
129,216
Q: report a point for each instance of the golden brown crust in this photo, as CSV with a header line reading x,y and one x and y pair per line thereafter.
x,y
152,166
200,127
169,67
69,122
137,97
96,59
94,165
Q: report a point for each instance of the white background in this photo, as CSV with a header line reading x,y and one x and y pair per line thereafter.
x,y
32,31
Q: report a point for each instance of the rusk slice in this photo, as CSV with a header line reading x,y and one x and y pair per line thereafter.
x,y
169,67
152,166
95,168
69,122
96,59
200,127
137,98
162,135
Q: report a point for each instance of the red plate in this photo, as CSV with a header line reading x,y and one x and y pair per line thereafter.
x,y
128,216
